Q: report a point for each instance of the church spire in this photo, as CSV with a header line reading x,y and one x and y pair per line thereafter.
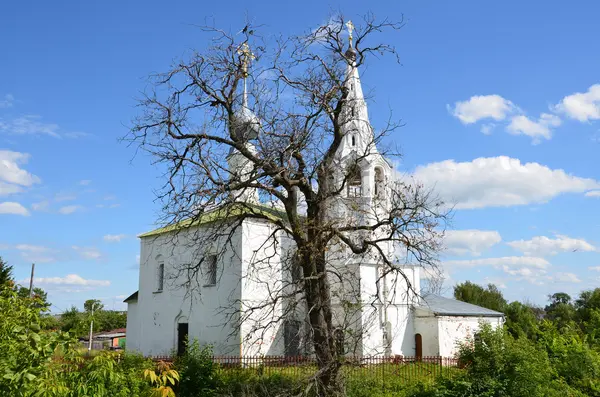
x,y
245,127
356,127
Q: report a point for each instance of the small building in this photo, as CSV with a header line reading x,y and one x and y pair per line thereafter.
x,y
113,339
442,322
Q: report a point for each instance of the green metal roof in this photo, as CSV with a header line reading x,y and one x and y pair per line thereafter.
x,y
229,211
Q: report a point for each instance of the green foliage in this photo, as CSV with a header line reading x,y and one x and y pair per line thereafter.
x,y
5,274
522,321
163,379
41,363
489,297
90,304
26,348
78,323
199,374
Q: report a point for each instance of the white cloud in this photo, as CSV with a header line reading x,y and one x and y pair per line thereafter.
x,y
566,278
543,246
30,125
41,206
594,268
7,101
473,242
31,248
36,253
88,252
593,193
69,209
64,196
114,238
85,182
533,275
582,106
71,280
480,107
498,182
522,125
508,261
487,129
9,207
9,188
12,176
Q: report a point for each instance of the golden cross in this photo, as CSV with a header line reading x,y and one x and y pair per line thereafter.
x,y
350,27
246,56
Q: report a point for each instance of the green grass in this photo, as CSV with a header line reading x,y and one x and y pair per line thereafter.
x,y
367,381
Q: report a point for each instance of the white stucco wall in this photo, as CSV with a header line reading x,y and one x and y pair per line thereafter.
x,y
261,284
133,327
429,330
454,329
159,312
249,276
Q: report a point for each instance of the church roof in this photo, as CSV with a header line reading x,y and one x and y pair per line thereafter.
x,y
132,297
441,306
228,211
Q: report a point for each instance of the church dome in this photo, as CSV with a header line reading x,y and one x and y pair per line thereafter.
x,y
246,125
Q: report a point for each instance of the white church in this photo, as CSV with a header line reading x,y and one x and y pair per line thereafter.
x,y
232,307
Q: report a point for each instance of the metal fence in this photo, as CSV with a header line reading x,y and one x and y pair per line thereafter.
x,y
396,368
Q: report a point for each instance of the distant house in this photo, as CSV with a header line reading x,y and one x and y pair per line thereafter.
x,y
113,339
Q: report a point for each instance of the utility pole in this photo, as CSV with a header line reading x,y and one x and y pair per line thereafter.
x,y
91,329
31,281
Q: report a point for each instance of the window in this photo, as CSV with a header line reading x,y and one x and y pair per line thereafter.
x,y
352,111
353,140
296,269
291,338
354,182
160,277
211,270
379,182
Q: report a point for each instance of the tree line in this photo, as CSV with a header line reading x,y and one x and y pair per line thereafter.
x,y
72,320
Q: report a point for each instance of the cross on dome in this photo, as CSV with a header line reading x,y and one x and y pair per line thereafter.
x,y
350,27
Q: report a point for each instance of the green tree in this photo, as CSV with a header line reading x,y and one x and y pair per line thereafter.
x,y
522,320
95,303
5,273
560,310
489,297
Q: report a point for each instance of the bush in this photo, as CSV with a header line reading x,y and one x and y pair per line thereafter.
x,y
499,366
199,375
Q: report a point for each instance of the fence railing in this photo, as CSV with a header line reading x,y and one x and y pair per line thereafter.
x,y
397,368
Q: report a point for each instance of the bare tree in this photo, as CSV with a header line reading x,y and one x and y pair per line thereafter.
x,y
281,122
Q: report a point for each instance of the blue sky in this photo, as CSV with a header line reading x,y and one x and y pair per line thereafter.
x,y
499,103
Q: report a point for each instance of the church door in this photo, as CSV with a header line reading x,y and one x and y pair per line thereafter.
x,y
182,336
418,347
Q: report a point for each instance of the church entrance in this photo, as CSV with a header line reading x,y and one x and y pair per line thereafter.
x,y
418,347
182,337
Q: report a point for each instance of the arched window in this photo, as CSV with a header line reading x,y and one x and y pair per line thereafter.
x,y
353,140
379,182
160,273
354,182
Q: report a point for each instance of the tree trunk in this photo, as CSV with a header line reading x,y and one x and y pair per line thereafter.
x,y
318,301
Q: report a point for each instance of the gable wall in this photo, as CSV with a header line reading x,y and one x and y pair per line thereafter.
x,y
159,312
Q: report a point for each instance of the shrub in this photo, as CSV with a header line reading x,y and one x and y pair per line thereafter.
x,y
199,375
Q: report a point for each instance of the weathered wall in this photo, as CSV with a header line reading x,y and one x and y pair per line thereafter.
x,y
454,329
428,328
158,313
